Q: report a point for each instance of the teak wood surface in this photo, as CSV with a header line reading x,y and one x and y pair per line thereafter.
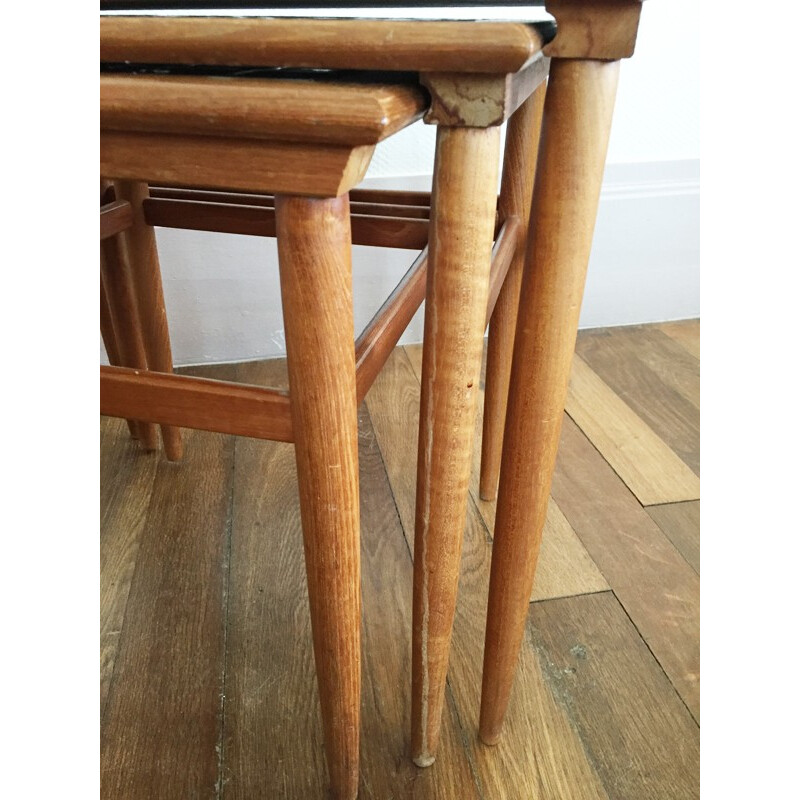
x,y
519,171
146,273
375,229
462,226
256,108
123,327
314,255
577,122
398,45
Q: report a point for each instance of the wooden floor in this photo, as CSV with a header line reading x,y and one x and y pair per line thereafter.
x,y
207,680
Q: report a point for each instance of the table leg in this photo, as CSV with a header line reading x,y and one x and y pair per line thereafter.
x,y
462,226
519,170
116,279
316,287
141,240
110,342
577,121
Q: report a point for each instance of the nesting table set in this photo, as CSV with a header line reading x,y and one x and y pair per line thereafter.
x,y
265,126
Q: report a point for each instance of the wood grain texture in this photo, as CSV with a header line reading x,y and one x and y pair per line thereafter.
x,y
565,567
652,471
126,482
107,327
140,239
314,256
209,405
117,285
681,523
645,371
634,727
592,693
576,125
273,731
391,196
109,337
686,333
346,44
162,721
115,217
505,247
519,170
284,110
656,586
463,209
228,163
357,196
382,206
661,354
382,332
540,756
601,29
258,220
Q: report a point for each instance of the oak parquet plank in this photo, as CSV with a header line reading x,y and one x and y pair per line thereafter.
x,y
126,481
273,742
656,586
387,581
162,723
685,332
638,734
649,346
681,523
564,568
273,730
655,377
540,754
652,471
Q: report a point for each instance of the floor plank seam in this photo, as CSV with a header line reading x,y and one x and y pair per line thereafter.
x,y
567,596
641,505
600,453
689,563
655,657
667,502
485,525
465,743
391,488
226,590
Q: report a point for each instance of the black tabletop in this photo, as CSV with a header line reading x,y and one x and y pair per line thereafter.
x,y
223,5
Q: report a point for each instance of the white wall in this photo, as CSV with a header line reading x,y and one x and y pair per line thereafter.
x,y
222,291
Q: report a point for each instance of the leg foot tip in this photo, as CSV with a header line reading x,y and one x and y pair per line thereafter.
x,y
424,760
490,740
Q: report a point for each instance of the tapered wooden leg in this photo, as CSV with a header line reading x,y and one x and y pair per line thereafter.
x,y
110,342
462,222
577,121
141,241
316,289
519,169
115,275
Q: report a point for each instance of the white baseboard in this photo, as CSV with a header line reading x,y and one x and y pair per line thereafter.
x,y
645,263
223,297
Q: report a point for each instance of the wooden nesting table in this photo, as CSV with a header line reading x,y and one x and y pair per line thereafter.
x,y
222,140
